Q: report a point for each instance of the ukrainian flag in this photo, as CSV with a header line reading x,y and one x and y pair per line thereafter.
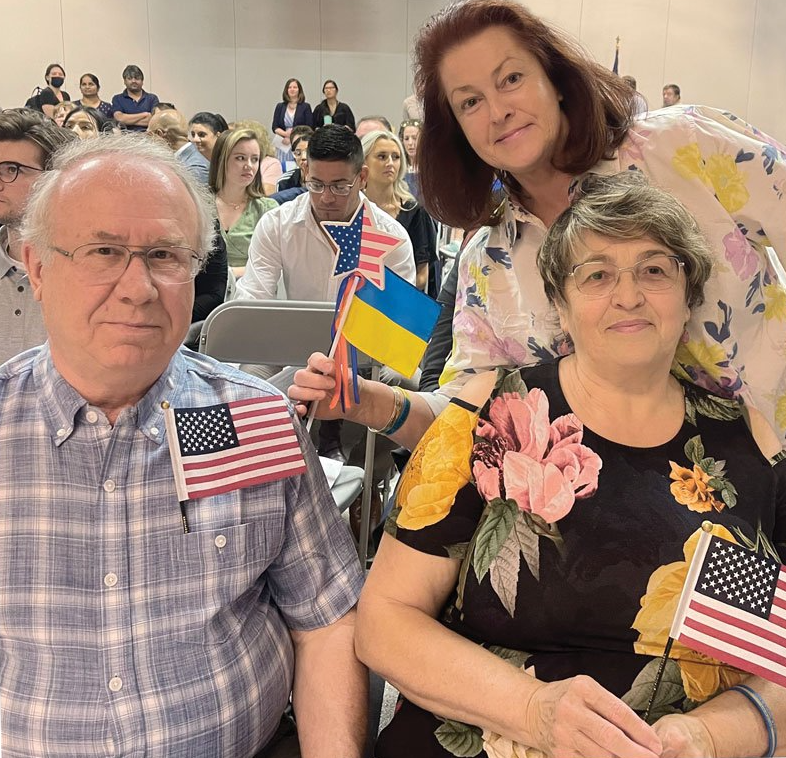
x,y
392,326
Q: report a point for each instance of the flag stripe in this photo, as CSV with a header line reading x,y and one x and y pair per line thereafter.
x,y
260,413
251,464
240,456
751,665
744,626
237,482
258,401
737,640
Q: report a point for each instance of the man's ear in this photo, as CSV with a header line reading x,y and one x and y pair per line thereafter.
x,y
34,266
363,176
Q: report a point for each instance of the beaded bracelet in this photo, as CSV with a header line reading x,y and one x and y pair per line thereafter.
x,y
766,715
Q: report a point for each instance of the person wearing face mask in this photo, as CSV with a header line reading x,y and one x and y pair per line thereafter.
x,y
52,95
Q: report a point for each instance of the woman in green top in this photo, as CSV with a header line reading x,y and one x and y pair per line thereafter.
x,y
236,182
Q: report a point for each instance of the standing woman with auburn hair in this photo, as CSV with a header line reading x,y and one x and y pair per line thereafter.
x,y
331,111
508,97
293,110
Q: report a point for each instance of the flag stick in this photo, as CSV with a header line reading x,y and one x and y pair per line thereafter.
x,y
658,677
339,328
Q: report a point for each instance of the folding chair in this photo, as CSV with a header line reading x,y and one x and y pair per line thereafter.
x,y
284,333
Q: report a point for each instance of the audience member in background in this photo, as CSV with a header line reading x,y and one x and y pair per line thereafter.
x,y
372,124
87,122
133,106
734,341
170,125
89,86
236,181
331,111
61,111
639,103
385,186
269,167
27,141
296,177
293,110
413,110
53,94
210,284
671,95
159,106
409,134
204,128
195,642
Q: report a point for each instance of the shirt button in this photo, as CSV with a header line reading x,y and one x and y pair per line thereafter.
x,y
20,288
115,684
61,432
17,312
110,580
91,416
153,430
109,486
221,541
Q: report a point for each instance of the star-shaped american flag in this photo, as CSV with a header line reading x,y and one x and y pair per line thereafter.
x,y
361,246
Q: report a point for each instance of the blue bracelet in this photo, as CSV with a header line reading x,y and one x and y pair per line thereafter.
x,y
766,715
402,417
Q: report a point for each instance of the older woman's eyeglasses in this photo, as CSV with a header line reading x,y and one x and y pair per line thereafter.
x,y
10,170
654,274
105,263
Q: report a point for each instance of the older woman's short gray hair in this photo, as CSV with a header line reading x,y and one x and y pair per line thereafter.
x,y
141,150
624,207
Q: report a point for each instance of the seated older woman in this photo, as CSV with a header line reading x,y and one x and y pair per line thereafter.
x,y
537,550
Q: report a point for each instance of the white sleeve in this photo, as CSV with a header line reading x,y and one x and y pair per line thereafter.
x,y
263,270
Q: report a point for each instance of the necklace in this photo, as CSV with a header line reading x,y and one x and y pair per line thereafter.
x,y
235,206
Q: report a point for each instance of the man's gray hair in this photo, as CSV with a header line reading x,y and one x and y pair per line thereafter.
x,y
624,207
141,150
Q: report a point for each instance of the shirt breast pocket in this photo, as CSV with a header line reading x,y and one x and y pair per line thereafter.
x,y
213,581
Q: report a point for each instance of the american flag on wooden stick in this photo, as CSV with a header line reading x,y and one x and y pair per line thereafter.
x,y
225,447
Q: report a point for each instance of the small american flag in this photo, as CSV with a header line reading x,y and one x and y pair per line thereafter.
x,y
733,608
225,447
361,246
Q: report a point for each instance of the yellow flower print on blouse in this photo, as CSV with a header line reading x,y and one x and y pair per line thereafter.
x,y
481,281
727,181
702,676
688,162
780,412
692,488
704,355
437,470
774,302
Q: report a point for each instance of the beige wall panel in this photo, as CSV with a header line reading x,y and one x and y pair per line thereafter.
x,y
32,38
641,27
767,92
193,55
275,41
708,51
103,38
566,14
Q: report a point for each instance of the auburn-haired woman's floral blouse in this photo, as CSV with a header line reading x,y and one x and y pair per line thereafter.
x,y
574,548
732,178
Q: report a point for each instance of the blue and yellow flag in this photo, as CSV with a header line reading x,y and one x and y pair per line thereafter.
x,y
392,326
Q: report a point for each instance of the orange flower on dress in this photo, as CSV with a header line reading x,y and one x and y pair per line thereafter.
x,y
702,676
693,489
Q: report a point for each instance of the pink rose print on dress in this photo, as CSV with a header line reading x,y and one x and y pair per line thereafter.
x,y
521,456
743,258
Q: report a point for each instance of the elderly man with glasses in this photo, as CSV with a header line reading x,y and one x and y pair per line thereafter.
x,y
27,140
145,622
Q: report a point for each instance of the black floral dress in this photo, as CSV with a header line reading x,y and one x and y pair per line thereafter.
x,y
574,548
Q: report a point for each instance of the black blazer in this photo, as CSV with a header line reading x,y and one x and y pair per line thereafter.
x,y
303,116
343,115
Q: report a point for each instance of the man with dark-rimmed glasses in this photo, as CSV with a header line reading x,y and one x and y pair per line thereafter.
x,y
27,139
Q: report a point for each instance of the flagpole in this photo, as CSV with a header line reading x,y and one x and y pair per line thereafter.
x,y
336,337
690,581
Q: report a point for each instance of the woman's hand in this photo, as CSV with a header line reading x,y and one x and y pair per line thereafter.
x,y
316,383
577,717
684,736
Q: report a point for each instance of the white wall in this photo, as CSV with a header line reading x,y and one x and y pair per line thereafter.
x,y
233,56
